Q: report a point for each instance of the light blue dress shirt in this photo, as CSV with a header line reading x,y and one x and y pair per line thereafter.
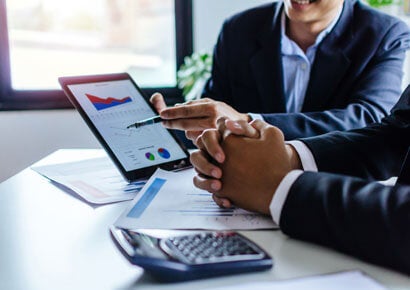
x,y
296,67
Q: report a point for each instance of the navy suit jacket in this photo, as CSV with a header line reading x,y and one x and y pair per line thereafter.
x,y
355,79
354,214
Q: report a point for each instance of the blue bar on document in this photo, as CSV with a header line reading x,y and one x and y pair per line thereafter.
x,y
146,199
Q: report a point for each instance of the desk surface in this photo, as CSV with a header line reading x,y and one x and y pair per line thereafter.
x,y
51,240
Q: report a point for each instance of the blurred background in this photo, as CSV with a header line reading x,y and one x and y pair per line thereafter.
x,y
41,40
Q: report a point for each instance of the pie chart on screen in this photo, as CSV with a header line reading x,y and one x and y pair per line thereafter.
x,y
150,156
164,153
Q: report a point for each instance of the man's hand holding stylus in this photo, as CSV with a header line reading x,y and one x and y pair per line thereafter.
x,y
194,116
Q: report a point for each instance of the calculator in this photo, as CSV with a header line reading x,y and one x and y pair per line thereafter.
x,y
191,256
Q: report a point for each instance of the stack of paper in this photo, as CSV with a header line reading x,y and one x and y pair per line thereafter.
x,y
96,180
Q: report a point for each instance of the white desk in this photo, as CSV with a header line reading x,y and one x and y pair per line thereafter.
x,y
51,240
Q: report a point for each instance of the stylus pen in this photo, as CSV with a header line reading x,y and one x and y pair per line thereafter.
x,y
149,121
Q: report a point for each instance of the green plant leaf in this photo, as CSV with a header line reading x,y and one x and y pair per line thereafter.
x,y
193,73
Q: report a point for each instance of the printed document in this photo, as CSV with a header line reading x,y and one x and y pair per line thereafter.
x,y
352,280
170,200
96,180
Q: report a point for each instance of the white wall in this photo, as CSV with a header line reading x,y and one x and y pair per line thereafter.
x,y
27,136
209,15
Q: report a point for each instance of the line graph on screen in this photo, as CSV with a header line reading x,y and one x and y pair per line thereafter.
x,y
105,103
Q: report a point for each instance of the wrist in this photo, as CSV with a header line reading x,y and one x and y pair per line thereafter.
x,y
294,157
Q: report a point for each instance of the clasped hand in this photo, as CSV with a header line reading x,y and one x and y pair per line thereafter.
x,y
242,163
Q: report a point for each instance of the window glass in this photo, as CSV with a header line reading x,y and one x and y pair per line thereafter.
x,y
52,38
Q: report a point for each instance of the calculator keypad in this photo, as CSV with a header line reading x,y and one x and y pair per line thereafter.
x,y
211,247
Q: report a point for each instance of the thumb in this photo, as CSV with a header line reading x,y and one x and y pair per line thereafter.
x,y
241,128
157,100
259,125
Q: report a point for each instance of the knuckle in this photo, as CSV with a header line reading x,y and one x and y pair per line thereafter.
x,y
170,113
209,123
275,132
208,133
191,135
188,134
198,142
185,110
197,182
257,122
201,183
209,109
194,157
243,123
220,121
169,124
213,108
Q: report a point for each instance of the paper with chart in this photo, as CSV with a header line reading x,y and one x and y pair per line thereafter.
x,y
169,200
96,180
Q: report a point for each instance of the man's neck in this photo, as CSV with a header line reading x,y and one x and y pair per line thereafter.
x,y
300,35
305,34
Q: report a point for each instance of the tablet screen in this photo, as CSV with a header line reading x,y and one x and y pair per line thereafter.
x,y
113,105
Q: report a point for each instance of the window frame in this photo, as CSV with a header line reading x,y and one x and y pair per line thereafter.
x,y
11,99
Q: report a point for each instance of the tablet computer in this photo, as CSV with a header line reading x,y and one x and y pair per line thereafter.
x,y
108,104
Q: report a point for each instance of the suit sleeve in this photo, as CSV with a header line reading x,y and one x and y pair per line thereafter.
x,y
374,152
354,215
373,95
367,220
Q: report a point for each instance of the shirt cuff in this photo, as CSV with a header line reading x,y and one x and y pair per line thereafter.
x,y
305,155
256,116
281,194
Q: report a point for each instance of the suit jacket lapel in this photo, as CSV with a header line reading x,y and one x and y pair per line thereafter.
x,y
266,66
404,176
330,63
401,111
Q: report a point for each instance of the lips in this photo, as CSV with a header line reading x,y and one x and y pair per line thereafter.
x,y
301,5
303,2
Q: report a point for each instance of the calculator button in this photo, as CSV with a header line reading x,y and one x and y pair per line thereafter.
x,y
211,247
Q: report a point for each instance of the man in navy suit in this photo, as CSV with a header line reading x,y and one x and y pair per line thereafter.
x,y
342,206
305,66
